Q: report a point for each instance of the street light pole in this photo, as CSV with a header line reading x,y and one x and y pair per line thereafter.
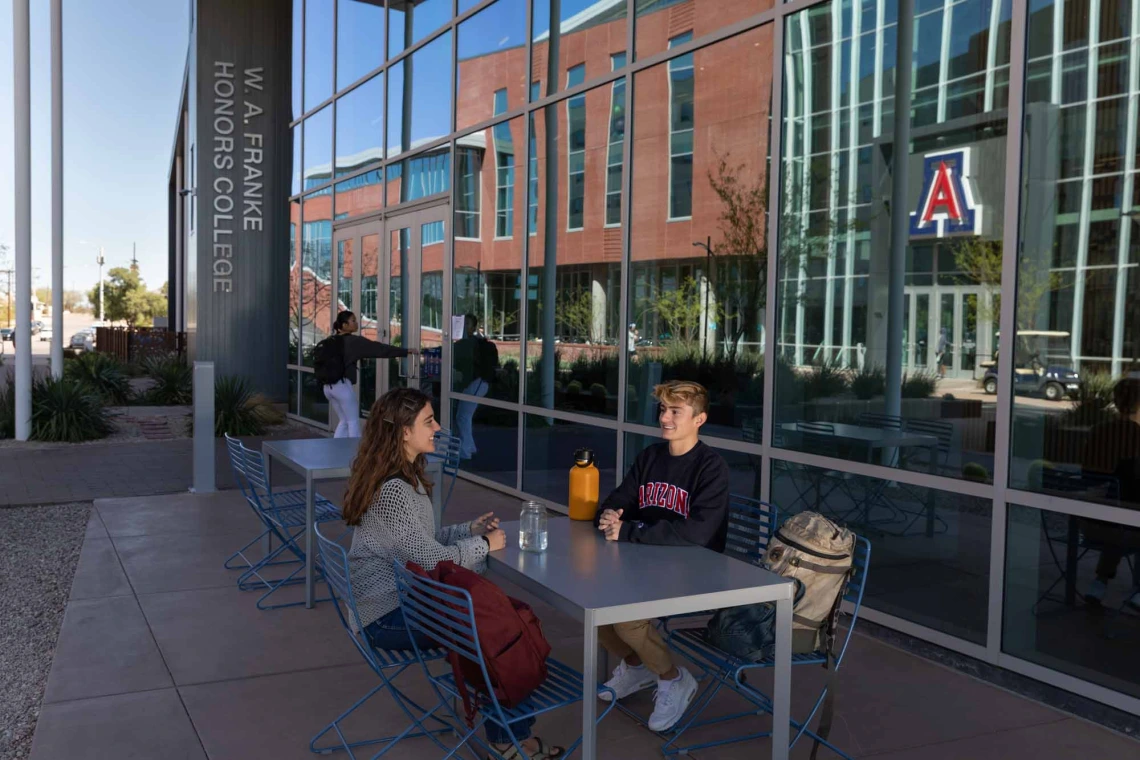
x,y
99,260
707,245
57,188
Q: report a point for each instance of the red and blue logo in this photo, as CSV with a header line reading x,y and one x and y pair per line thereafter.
x,y
946,204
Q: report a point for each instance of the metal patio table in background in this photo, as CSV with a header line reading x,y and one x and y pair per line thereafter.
x,y
603,582
317,459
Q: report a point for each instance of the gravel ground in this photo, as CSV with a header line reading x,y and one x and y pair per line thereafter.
x,y
40,549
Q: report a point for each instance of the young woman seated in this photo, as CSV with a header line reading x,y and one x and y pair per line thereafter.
x,y
389,505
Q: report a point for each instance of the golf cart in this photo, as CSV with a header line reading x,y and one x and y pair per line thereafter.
x,y
1037,371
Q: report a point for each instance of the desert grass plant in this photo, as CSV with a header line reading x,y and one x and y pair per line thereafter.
x,y
173,381
1092,401
237,409
825,381
102,373
921,384
64,410
869,382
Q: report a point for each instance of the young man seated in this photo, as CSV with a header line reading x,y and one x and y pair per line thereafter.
x,y
675,493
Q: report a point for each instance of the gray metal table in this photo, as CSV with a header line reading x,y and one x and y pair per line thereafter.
x,y
873,437
601,583
317,459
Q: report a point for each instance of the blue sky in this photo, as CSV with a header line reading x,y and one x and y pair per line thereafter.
x,y
123,63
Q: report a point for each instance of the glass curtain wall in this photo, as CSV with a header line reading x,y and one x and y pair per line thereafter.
x,y
931,337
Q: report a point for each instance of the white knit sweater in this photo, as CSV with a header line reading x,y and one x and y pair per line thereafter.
x,y
400,525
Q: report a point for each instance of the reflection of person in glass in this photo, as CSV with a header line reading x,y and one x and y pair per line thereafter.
x,y
476,360
342,395
1113,449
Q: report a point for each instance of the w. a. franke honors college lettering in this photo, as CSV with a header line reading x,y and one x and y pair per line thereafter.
x,y
249,182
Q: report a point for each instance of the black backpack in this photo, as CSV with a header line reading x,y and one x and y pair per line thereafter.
x,y
328,360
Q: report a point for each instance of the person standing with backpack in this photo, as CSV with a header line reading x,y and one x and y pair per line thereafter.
x,y
476,360
334,363
388,503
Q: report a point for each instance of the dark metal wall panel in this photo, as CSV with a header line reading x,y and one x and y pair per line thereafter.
x,y
243,162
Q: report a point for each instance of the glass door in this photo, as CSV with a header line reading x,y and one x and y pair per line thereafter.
x,y
414,316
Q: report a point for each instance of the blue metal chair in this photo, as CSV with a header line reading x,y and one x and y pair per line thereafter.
x,y
444,615
727,670
447,449
387,664
238,560
283,515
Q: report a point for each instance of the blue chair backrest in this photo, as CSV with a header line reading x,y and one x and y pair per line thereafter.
x,y
440,612
236,452
751,523
334,561
861,563
255,472
943,431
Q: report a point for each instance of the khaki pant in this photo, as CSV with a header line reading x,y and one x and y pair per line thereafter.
x,y
638,637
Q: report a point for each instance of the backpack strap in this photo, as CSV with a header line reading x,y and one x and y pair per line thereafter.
x,y
827,569
827,710
469,707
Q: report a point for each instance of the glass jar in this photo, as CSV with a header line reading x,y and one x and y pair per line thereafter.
x,y
532,527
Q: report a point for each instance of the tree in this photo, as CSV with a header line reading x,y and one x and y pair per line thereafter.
x,y
44,295
980,260
743,225
73,300
127,299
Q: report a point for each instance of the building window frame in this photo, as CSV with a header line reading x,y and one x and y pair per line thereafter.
x,y
575,158
678,68
616,144
504,151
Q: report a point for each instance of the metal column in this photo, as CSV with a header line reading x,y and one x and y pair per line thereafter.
x,y
57,188
22,108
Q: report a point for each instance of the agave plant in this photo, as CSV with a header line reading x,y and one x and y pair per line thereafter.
x,y
173,381
237,410
66,410
102,373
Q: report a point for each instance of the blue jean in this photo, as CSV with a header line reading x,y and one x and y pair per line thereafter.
x,y
389,632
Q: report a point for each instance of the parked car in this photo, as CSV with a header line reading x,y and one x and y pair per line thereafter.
x,y
45,334
36,327
1031,376
7,333
84,340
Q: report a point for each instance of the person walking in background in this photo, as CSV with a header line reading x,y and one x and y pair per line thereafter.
x,y
476,360
940,355
334,363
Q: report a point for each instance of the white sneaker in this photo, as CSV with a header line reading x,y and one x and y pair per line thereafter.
x,y
627,680
671,700
1095,591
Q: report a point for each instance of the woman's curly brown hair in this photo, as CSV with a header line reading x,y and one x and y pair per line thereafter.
x,y
381,454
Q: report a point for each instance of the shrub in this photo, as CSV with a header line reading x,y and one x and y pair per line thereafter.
x,y
824,381
101,373
69,411
976,472
921,384
236,408
266,409
1092,400
598,391
573,388
8,409
869,382
173,381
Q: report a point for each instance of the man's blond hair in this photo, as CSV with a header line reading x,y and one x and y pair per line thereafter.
x,y
677,392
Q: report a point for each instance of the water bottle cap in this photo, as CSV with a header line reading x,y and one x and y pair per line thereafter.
x,y
583,457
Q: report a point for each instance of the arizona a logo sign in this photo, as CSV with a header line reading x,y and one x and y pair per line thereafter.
x,y
946,204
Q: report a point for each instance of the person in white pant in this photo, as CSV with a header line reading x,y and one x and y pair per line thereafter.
x,y
476,360
335,360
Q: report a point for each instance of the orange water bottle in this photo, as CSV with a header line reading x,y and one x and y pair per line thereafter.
x,y
583,486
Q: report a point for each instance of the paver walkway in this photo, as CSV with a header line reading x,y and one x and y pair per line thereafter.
x,y
160,656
